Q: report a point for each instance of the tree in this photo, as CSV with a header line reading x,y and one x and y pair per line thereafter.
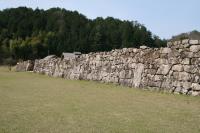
x,y
28,34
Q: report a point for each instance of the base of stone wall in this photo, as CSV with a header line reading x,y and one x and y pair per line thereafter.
x,y
150,89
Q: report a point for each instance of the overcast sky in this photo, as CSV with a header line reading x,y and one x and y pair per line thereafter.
x,y
163,17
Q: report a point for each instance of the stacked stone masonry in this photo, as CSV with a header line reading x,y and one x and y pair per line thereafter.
x,y
175,69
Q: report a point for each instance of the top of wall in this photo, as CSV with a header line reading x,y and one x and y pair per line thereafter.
x,y
183,43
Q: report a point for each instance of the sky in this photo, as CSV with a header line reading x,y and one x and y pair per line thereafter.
x,y
163,18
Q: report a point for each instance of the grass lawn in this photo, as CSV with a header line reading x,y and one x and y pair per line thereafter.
x,y
32,103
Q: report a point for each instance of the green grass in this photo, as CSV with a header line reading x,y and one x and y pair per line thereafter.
x,y
32,103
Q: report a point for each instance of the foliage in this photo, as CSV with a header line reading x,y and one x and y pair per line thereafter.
x,y
28,34
189,35
9,61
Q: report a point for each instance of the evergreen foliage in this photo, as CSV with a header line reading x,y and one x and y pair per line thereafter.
x,y
29,34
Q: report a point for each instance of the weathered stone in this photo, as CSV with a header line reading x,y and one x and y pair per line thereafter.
x,y
124,50
154,84
122,74
169,44
190,68
144,47
178,90
177,42
186,61
186,85
195,61
167,84
196,79
182,76
163,55
176,83
151,71
158,78
195,86
194,42
162,61
196,55
164,69
174,53
184,91
188,54
186,45
25,66
135,50
138,75
185,41
195,93
165,50
173,61
195,48
178,68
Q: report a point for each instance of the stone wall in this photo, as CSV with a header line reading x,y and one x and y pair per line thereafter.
x,y
23,66
175,69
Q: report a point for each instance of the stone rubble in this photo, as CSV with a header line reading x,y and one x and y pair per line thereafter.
x,y
175,69
24,66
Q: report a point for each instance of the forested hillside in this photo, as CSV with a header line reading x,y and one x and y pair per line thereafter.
x,y
189,35
28,34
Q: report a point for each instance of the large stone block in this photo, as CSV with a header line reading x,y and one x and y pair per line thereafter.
x,y
195,61
161,61
152,83
25,66
151,71
173,60
138,75
178,90
182,76
187,85
194,42
158,78
174,53
195,48
185,41
165,50
196,86
169,44
195,93
144,47
185,61
166,84
178,68
191,69
164,69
